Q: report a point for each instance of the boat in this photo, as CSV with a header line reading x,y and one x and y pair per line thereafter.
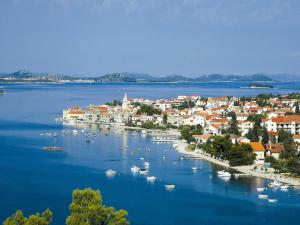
x,y
144,172
260,189
273,200
53,149
146,164
194,168
144,132
164,157
135,169
263,196
223,173
170,187
275,184
285,187
110,173
151,179
142,158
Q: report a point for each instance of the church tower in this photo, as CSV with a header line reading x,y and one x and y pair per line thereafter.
x,y
125,102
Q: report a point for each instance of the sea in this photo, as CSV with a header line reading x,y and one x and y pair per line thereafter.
x,y
32,179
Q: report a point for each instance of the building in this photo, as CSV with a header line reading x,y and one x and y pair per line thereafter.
x,y
259,150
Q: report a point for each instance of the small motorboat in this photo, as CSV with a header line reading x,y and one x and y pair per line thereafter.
x,y
144,172
146,164
170,187
194,168
164,157
273,200
263,196
110,173
223,173
53,149
275,184
142,159
260,189
135,169
151,179
285,187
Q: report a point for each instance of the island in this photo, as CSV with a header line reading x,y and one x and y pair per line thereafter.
x,y
260,86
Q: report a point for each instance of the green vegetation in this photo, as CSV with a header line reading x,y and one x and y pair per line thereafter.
x,y
152,126
114,103
18,218
187,132
86,209
233,124
149,110
222,147
288,161
191,147
185,105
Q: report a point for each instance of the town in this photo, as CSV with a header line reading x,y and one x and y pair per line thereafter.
x,y
261,131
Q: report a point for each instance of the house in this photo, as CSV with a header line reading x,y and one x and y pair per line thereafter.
x,y
259,150
73,114
290,123
202,138
274,150
245,126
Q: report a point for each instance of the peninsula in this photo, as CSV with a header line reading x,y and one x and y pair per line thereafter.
x,y
258,135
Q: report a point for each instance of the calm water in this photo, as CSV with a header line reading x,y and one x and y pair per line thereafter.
x,y
32,180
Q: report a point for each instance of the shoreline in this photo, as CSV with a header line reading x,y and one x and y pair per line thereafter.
x,y
247,170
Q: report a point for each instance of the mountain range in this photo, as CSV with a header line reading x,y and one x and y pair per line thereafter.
x,y
26,76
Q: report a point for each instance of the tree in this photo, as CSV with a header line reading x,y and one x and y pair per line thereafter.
x,y
37,219
149,110
253,134
265,136
87,209
297,110
241,155
165,119
233,127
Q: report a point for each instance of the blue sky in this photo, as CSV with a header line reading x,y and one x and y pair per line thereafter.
x,y
159,37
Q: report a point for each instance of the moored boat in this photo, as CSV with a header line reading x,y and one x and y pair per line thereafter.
x,y
151,179
170,187
135,169
260,189
111,173
273,200
263,196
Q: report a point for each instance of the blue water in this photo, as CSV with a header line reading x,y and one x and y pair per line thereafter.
x,y
33,180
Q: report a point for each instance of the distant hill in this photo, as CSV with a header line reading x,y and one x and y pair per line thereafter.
x,y
26,76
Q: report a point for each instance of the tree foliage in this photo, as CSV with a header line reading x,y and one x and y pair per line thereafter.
x,y
87,209
149,110
18,218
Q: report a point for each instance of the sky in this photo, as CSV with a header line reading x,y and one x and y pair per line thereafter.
x,y
158,37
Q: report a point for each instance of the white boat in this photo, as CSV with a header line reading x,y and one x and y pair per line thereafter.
x,y
260,189
151,179
275,184
110,173
146,164
170,187
263,196
135,169
144,132
142,158
284,187
223,173
144,172
164,157
75,132
273,200
194,168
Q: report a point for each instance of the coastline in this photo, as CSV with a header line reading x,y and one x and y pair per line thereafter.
x,y
247,170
